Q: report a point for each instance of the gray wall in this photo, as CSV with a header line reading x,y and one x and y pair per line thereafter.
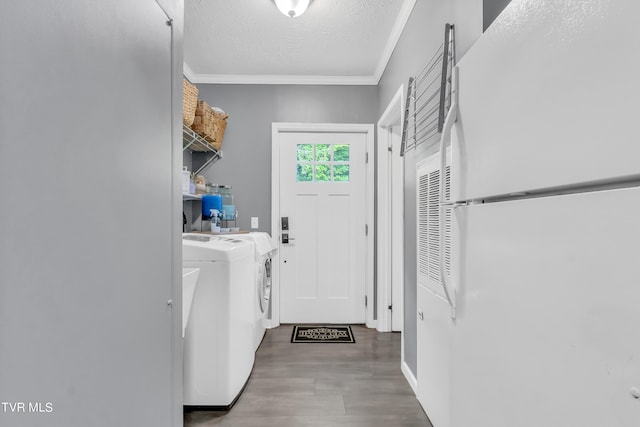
x,y
252,109
87,150
423,34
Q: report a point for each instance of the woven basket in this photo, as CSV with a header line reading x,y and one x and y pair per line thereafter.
x,y
219,126
209,124
203,123
189,102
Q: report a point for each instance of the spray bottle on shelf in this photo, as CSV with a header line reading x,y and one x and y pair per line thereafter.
x,y
216,218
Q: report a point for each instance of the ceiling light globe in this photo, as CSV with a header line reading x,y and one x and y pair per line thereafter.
x,y
292,8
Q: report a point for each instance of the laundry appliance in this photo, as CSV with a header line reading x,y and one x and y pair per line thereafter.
x,y
531,310
219,339
189,283
265,249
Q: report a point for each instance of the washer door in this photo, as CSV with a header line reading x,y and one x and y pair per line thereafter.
x,y
264,288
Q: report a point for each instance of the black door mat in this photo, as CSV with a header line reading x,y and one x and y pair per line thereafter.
x,y
322,333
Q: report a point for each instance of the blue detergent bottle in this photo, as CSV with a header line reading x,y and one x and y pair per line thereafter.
x,y
209,202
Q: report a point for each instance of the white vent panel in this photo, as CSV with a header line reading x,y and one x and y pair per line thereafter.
x,y
428,210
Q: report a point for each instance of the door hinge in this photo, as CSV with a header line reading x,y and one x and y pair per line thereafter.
x,y
365,301
390,148
366,157
366,229
390,307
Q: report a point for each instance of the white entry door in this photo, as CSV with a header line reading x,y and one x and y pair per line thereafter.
x,y
322,198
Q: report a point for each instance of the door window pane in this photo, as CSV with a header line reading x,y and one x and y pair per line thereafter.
x,y
322,162
305,153
341,172
323,172
341,153
304,172
323,153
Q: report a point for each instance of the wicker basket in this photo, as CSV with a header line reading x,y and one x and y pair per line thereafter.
x,y
209,124
219,126
203,123
189,102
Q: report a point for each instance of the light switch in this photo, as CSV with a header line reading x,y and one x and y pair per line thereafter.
x,y
254,222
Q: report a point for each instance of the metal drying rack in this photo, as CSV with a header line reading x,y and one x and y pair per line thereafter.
x,y
429,97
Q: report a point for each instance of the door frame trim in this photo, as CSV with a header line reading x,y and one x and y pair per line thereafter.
x,y
368,130
390,234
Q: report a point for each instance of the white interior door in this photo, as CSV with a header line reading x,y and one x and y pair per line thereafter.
x,y
322,194
434,330
434,325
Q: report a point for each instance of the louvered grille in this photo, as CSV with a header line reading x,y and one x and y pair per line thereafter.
x,y
447,223
433,230
428,225
423,224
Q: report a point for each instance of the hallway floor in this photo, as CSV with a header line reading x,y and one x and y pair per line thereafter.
x,y
303,385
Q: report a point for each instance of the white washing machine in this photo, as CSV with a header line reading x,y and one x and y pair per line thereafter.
x,y
189,282
265,248
219,339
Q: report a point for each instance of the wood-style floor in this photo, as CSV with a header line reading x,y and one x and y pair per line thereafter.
x,y
303,385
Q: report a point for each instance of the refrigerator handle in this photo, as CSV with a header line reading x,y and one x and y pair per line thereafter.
x,y
445,204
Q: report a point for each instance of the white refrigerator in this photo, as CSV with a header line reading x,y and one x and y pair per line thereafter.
x,y
541,231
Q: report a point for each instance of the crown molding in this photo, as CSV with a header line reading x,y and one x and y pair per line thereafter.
x,y
188,72
394,37
231,79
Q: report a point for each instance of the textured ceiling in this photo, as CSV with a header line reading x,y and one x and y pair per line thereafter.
x,y
250,41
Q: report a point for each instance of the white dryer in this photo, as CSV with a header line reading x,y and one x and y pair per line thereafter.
x,y
265,249
219,339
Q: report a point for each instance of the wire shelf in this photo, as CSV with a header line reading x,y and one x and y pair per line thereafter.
x,y
195,143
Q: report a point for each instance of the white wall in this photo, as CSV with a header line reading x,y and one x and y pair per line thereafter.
x,y
421,37
87,150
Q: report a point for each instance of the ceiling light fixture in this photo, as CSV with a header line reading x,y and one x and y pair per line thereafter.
x,y
292,8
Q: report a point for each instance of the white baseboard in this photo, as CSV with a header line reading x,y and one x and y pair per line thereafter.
x,y
411,379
